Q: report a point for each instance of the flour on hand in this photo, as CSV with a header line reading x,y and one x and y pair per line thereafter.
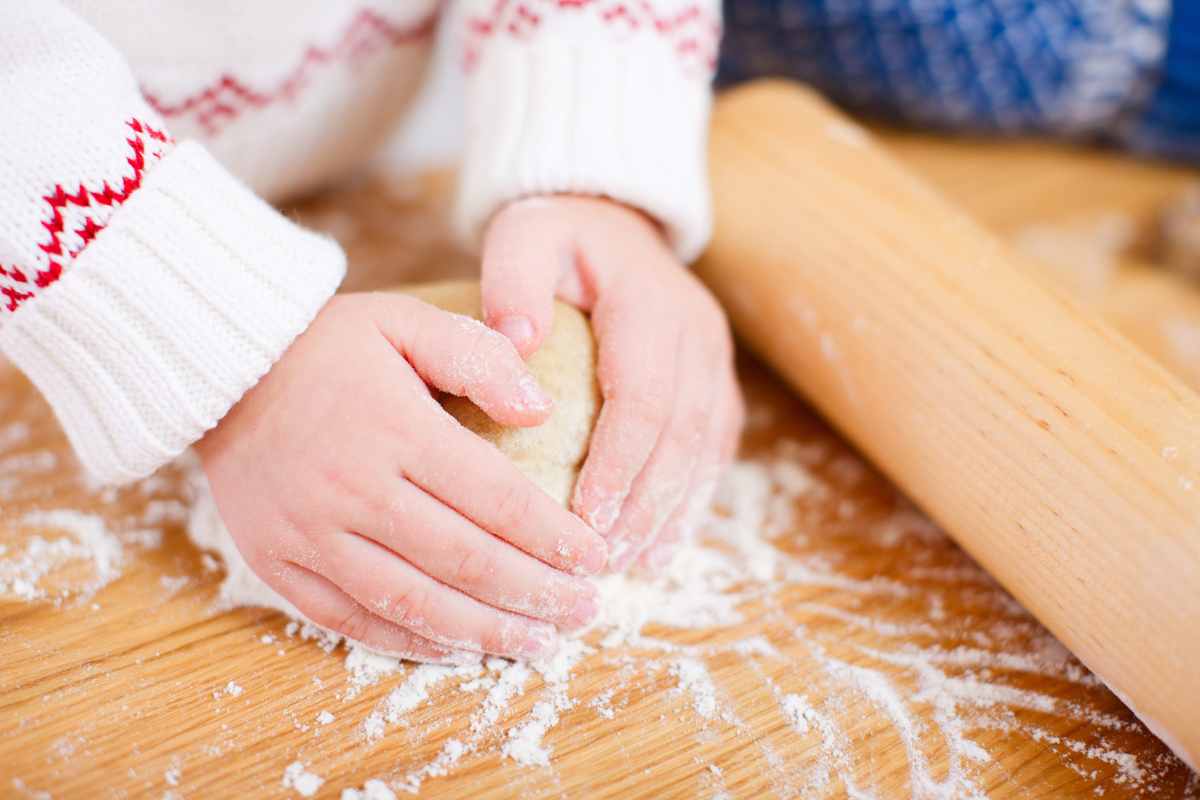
x,y
550,454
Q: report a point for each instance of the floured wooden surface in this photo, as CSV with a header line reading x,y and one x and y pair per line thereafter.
x,y
850,647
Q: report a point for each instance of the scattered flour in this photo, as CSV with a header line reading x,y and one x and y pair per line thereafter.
x,y
21,789
91,542
14,434
931,693
174,583
796,711
602,703
303,782
694,678
372,790
173,772
38,461
409,695
707,587
46,567
524,743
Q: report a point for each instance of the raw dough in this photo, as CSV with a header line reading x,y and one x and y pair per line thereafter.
x,y
565,366
550,454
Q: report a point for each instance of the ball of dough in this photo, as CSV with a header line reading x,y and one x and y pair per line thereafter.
x,y
550,454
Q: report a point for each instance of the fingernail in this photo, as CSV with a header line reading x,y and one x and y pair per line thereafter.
x,y
586,608
595,558
532,395
517,328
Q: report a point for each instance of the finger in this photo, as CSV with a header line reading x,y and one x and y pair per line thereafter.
x,y
522,265
687,518
329,607
462,356
680,530
636,367
485,486
662,486
395,590
447,546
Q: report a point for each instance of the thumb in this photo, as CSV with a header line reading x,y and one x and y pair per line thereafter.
x,y
524,258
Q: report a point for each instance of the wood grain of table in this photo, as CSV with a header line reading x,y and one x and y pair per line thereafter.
x,y
900,647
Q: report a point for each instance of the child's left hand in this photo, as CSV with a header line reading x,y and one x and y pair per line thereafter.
x,y
672,410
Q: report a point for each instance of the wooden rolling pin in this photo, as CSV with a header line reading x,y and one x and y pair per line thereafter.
x,y
1063,459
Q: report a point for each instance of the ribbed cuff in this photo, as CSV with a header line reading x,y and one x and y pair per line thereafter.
x,y
558,115
170,315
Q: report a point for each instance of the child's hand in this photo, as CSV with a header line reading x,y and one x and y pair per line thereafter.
x,y
353,494
672,407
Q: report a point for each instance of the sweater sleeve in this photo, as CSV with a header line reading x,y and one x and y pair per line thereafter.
x,y
143,289
603,97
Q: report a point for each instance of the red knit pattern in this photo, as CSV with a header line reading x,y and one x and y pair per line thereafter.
x,y
94,206
691,32
227,98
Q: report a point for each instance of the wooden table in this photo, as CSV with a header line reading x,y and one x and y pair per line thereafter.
x,y
884,664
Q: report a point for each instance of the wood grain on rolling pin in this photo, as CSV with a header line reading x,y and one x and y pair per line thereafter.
x,y
1063,459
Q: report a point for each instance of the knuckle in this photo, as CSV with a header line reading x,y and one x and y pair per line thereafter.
x,y
623,550
501,637
355,622
646,414
637,514
480,350
493,345
473,570
335,478
347,487
514,505
493,641
409,608
654,504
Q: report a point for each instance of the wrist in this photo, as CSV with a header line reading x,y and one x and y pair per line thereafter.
x,y
577,118
170,315
587,206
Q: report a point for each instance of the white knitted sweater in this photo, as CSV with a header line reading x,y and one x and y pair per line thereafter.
x,y
145,286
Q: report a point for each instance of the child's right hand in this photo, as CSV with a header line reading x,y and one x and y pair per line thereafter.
x,y
353,494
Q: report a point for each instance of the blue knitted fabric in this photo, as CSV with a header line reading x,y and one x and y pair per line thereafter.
x,y
1124,71
1170,125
